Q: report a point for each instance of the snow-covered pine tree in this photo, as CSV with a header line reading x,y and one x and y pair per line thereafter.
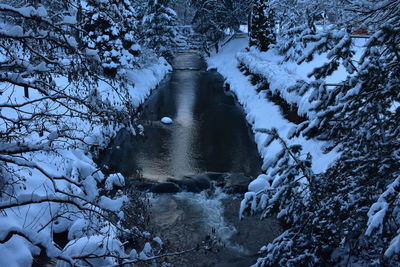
x,y
160,28
297,19
357,216
361,117
292,194
293,25
184,9
210,20
289,190
262,27
110,28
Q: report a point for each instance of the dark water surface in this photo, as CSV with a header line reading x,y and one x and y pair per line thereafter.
x,y
209,134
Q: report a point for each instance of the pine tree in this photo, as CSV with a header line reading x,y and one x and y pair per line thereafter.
x,y
361,118
297,21
292,195
352,211
160,28
111,31
262,29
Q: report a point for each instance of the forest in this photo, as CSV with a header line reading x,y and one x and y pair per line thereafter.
x,y
285,113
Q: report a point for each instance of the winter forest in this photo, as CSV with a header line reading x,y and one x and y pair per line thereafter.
x,y
199,133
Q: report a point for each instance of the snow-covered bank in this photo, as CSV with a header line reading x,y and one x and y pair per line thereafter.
x,y
261,113
146,79
52,190
282,74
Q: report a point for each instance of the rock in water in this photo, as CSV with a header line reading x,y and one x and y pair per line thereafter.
x,y
165,188
236,183
194,184
167,120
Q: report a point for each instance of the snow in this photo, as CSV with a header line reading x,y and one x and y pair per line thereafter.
x,y
16,253
69,20
146,79
133,255
158,241
147,252
261,113
93,245
249,196
261,183
281,75
394,247
73,165
15,31
53,136
167,120
376,215
244,28
115,180
112,204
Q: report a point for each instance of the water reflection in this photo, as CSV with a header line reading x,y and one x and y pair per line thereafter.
x,y
209,132
182,139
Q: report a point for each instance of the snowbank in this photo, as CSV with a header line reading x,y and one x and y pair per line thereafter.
x,y
281,75
147,79
261,113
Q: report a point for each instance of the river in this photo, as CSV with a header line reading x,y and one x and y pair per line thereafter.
x,y
209,137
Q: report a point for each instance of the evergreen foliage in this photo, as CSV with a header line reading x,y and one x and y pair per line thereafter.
x,y
111,29
160,28
297,19
262,27
209,20
349,214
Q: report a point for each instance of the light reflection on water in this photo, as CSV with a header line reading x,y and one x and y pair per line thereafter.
x,y
182,139
209,132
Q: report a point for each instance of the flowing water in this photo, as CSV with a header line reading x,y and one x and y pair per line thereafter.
x,y
209,135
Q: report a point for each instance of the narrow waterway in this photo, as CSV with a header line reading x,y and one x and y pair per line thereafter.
x,y
208,143
209,132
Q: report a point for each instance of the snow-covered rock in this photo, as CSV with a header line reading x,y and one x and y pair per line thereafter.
x,y
167,120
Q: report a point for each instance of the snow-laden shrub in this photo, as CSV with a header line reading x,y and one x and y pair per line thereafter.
x,y
57,111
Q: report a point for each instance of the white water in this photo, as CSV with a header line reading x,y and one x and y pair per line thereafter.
x,y
186,211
